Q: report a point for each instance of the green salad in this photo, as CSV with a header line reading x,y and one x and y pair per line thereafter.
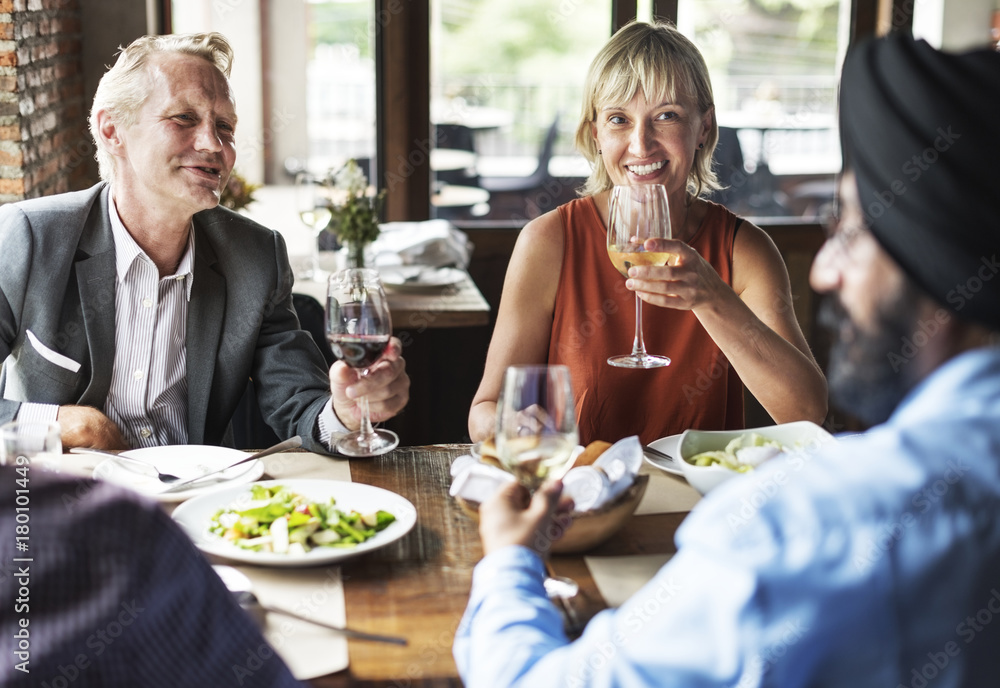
x,y
281,521
742,454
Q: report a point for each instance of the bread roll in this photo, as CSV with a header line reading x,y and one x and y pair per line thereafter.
x,y
592,453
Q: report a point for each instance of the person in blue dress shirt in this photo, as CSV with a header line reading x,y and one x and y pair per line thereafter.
x,y
876,562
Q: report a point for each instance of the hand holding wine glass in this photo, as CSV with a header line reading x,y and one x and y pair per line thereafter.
x,y
314,210
635,215
359,327
536,422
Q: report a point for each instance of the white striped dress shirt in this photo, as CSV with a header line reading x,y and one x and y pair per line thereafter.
x,y
148,395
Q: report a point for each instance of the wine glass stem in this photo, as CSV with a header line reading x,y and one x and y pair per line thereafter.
x,y
638,346
366,432
315,257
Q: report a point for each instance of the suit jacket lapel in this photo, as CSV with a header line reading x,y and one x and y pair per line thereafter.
x,y
96,279
206,311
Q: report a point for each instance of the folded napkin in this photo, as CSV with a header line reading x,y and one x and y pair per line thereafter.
x,y
590,486
432,242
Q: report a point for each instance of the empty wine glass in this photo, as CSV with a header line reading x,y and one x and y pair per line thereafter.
x,y
358,327
313,205
635,214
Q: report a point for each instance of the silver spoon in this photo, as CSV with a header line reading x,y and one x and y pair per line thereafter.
x,y
163,477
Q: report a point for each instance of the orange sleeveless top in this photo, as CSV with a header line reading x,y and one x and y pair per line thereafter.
x,y
594,318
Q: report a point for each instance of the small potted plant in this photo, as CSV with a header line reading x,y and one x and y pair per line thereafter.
x,y
356,209
238,192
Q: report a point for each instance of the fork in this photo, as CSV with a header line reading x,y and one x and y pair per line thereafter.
x,y
166,478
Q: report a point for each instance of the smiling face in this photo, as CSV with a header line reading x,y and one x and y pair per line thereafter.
x,y
176,158
651,141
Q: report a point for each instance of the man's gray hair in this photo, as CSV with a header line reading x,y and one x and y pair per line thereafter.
x,y
124,88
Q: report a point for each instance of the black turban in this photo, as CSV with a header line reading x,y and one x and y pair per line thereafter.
x,y
921,131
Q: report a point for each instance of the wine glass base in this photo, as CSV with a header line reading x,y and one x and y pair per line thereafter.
x,y
642,361
560,587
380,442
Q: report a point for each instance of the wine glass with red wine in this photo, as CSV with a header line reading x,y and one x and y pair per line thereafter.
x,y
358,327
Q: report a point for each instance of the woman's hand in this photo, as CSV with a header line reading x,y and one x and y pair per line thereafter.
x,y
687,285
386,385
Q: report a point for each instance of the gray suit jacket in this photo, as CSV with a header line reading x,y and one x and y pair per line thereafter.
x,y
57,279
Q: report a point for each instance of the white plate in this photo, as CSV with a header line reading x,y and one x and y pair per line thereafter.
x,y
185,461
195,517
667,445
420,278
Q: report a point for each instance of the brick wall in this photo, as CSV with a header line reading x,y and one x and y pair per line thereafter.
x,y
45,147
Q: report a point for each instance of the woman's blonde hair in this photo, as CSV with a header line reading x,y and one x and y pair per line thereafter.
x,y
661,61
124,88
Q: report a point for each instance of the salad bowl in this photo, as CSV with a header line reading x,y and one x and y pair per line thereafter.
x,y
797,436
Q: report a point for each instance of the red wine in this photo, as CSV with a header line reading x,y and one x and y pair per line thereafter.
x,y
358,351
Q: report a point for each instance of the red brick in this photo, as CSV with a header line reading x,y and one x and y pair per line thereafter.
x,y
13,159
7,58
6,31
11,186
6,5
10,133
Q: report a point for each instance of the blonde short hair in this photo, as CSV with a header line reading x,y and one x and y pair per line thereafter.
x,y
124,88
661,61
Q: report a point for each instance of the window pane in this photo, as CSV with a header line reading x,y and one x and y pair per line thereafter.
x,y
774,67
340,83
502,72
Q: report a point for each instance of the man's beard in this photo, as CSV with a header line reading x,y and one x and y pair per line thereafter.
x,y
866,376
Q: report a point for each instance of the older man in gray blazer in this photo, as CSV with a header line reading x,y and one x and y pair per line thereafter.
x,y
134,312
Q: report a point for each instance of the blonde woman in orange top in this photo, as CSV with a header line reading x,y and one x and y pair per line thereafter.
x,y
723,312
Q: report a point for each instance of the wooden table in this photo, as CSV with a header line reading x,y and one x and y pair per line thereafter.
x,y
460,306
418,587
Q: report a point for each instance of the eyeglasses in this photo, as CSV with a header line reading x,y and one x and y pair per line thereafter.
x,y
842,236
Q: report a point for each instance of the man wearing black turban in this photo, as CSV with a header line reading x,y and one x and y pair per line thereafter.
x,y
874,561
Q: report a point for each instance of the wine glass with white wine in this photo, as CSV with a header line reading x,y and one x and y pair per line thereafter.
x,y
536,434
636,214
313,205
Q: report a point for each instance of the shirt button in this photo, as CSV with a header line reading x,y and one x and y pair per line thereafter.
x,y
145,432
147,303
137,375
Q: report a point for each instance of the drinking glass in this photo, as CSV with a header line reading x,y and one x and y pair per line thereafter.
x,y
31,444
313,206
536,435
536,422
635,214
358,327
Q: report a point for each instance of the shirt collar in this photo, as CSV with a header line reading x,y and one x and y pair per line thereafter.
x,y
127,250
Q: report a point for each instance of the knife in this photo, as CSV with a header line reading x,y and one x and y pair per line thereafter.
x,y
657,452
292,443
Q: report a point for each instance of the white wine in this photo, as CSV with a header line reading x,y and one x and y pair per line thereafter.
x,y
623,258
531,459
317,218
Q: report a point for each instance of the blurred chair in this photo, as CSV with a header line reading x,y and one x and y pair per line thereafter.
x,y
455,136
730,169
536,179
250,431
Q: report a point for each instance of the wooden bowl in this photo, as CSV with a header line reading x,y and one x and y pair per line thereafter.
x,y
589,528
